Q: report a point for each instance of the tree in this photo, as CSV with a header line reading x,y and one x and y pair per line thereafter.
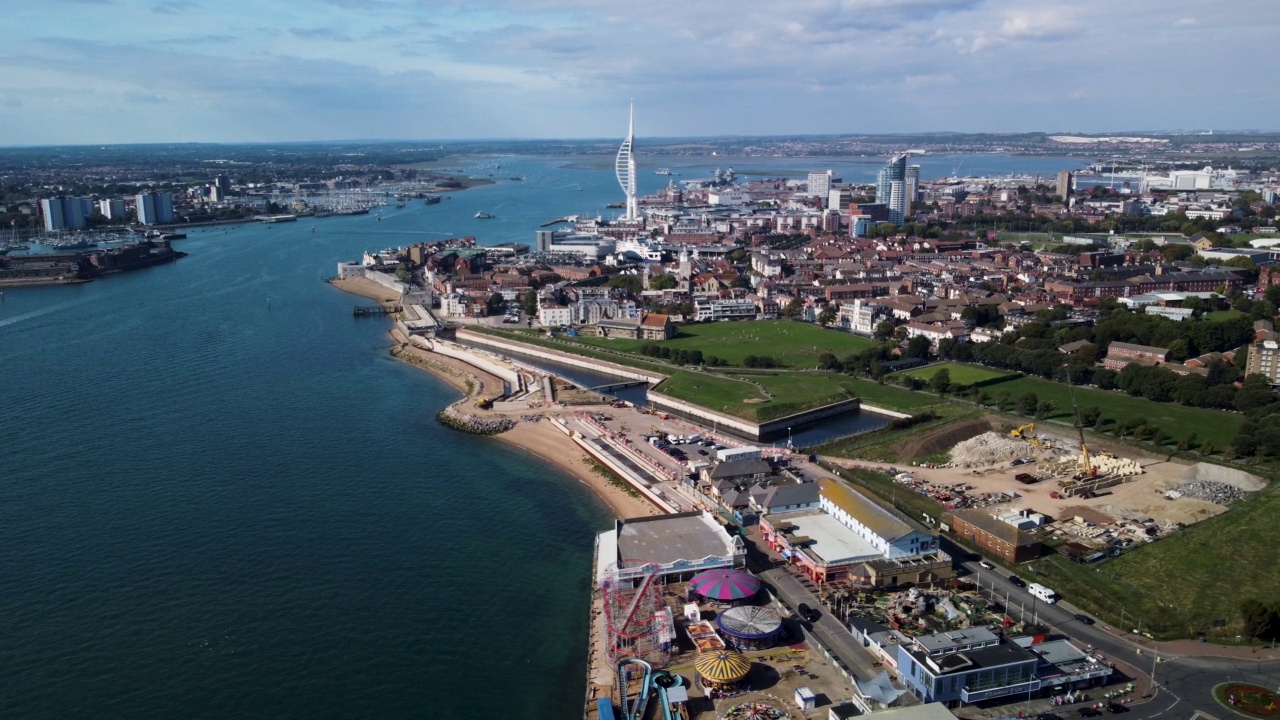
x,y
1027,403
828,361
663,281
793,309
404,272
1261,620
495,303
630,283
918,347
1090,415
1002,400
883,331
941,381
1187,441
1206,448
827,316
531,302
1045,408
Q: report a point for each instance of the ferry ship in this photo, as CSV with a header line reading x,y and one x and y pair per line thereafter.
x,y
662,171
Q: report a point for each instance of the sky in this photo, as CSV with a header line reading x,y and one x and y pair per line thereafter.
x,y
117,71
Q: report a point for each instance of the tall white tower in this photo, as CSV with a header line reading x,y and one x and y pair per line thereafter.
x,y
625,168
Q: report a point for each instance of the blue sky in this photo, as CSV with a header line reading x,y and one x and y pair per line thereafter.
x,y
104,71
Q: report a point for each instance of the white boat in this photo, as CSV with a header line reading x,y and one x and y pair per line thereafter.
x,y
662,171
485,216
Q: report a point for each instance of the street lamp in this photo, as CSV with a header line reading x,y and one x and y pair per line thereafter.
x,y
788,438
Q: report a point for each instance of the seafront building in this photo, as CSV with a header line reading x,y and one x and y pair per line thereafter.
x,y
63,213
111,208
850,536
155,208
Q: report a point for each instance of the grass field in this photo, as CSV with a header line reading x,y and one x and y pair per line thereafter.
x,y
784,393
961,374
1188,584
793,344
1220,315
1217,426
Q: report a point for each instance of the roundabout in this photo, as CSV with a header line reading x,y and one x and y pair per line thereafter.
x,y
1248,699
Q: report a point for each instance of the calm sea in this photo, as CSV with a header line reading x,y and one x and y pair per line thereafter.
x,y
220,498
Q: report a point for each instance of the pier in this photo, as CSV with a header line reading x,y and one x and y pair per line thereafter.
x,y
557,221
375,310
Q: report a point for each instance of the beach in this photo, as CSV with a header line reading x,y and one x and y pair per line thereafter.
x,y
542,439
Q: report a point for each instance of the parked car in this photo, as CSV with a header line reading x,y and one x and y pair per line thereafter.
x,y
1084,619
1090,712
986,565
1117,708
1019,582
808,613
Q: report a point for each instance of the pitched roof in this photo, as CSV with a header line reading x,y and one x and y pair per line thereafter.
x,y
879,519
654,320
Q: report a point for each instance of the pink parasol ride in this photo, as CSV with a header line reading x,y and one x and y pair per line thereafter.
x,y
725,584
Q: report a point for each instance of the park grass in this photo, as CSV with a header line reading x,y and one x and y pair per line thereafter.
x,y
1220,315
791,344
961,374
1217,426
714,392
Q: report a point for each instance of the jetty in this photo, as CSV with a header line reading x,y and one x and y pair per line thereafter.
x,y
559,220
375,310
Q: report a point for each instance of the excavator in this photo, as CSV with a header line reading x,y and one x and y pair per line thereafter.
x,y
1021,430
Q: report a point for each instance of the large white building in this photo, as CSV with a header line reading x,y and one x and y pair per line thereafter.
x,y
714,309
111,208
63,213
155,208
820,184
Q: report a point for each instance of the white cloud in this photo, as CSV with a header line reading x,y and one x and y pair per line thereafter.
x,y
441,68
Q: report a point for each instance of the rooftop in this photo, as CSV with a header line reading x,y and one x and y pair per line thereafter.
x,y
830,542
667,538
875,516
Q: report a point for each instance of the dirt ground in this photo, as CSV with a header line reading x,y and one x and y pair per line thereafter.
x,y
1142,496
942,439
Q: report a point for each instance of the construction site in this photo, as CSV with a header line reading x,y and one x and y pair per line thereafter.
x,y
1090,500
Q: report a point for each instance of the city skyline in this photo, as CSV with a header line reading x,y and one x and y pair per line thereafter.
x,y
181,70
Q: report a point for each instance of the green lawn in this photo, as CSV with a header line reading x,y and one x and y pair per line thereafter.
x,y
784,392
793,344
1177,420
1219,315
961,374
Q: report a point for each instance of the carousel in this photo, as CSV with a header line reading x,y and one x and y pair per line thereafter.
x,y
750,627
725,585
722,670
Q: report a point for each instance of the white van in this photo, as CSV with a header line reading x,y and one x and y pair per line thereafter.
x,y
1042,592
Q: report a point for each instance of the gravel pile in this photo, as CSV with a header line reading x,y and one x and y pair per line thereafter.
x,y
1224,475
1208,490
990,448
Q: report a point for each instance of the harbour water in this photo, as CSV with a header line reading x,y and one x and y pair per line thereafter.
x,y
219,497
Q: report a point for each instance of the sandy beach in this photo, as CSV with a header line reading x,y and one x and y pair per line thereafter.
x,y
367,289
545,442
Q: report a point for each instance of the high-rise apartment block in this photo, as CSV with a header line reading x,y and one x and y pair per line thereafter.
x,y
892,190
155,208
63,213
1064,184
820,184
111,209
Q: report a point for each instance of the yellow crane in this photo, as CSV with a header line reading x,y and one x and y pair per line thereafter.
x,y
1022,430
1084,449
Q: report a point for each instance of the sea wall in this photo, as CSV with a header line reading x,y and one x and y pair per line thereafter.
x,y
506,373
887,413
600,366
746,428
